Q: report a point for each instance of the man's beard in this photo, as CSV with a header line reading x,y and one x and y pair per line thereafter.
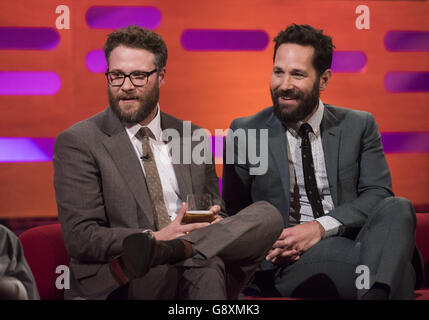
x,y
305,106
146,105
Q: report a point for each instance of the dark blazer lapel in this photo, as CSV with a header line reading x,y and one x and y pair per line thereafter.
x,y
331,135
183,171
124,156
277,146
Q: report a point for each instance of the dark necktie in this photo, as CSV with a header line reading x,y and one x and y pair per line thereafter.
x,y
153,180
308,168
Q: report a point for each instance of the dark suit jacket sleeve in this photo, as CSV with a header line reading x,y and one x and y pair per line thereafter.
x,y
236,180
363,185
204,176
87,234
212,187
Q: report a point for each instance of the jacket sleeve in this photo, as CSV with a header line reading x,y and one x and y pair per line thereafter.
x,y
208,181
373,180
87,234
236,179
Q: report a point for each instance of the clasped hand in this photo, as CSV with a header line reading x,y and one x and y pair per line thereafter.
x,y
294,241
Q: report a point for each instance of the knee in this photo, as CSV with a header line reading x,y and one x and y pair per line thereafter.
x,y
406,210
272,218
12,289
196,281
216,263
214,269
400,209
265,218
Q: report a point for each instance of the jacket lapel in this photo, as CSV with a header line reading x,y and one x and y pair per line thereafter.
x,y
331,135
182,171
124,156
277,146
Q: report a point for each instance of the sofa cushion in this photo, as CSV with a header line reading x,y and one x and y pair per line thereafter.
x,y
422,240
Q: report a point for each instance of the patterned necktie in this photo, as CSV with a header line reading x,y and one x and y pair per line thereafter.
x,y
153,181
308,168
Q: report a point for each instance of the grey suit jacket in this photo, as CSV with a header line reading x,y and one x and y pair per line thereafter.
x,y
357,170
102,195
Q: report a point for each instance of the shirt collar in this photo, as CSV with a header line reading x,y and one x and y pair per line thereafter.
x,y
154,126
314,121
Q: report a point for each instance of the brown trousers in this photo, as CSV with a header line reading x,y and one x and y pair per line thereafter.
x,y
228,254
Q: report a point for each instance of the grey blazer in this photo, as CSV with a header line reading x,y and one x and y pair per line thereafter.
x,y
357,170
102,196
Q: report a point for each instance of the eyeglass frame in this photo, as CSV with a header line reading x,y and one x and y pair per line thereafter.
x,y
146,73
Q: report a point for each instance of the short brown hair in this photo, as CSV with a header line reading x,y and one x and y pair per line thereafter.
x,y
306,35
139,38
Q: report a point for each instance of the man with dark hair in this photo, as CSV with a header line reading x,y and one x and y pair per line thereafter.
x,y
139,38
345,234
120,196
306,35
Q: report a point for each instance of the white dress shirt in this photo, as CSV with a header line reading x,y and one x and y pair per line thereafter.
x,y
163,162
300,208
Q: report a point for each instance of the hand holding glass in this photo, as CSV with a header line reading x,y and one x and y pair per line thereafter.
x,y
198,208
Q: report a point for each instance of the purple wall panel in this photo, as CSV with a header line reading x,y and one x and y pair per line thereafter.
x,y
20,149
407,41
224,40
403,81
29,83
406,142
348,61
96,62
106,17
19,38
26,149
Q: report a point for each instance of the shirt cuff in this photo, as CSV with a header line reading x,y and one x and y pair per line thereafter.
x,y
330,224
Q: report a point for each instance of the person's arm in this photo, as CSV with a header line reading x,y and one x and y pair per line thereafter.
x,y
236,178
87,233
207,181
212,187
373,180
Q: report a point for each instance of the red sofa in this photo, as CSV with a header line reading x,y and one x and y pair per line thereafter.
x,y
44,250
422,241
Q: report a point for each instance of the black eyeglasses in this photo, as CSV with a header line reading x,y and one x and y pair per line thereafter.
x,y
137,78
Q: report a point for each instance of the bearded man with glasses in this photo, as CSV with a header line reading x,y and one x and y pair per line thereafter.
x,y
120,196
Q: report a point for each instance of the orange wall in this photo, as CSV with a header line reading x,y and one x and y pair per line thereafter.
x,y
210,88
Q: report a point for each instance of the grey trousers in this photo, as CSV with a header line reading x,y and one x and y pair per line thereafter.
x,y
228,253
334,267
16,279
